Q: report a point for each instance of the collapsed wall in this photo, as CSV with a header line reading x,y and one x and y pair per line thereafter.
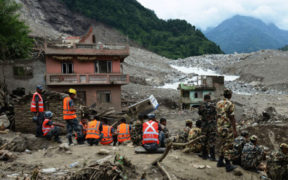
x,y
23,116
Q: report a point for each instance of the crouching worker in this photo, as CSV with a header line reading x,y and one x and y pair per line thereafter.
x,y
108,134
94,132
123,131
49,128
83,129
150,139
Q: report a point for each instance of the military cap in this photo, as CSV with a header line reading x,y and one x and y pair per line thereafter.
x,y
284,145
227,92
253,138
188,121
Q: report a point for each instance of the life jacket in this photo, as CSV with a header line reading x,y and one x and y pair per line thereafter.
x,y
123,132
93,131
40,103
150,132
46,128
107,135
84,129
67,113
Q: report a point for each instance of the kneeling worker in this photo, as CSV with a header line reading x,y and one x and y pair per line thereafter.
x,y
49,128
94,132
108,132
151,134
123,131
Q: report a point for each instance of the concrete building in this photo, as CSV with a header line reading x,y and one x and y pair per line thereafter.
x,y
91,67
191,95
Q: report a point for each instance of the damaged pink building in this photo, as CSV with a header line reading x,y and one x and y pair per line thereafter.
x,y
90,67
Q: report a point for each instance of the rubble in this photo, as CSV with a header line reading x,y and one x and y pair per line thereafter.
x,y
6,155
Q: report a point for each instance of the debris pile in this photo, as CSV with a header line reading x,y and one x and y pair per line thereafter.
x,y
6,109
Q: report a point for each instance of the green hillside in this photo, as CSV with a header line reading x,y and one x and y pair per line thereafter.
x,y
285,48
172,38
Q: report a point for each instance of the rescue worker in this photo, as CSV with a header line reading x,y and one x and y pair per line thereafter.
x,y
108,132
252,155
194,133
37,107
49,128
83,125
151,138
226,127
277,165
207,111
238,145
69,115
164,131
123,131
94,132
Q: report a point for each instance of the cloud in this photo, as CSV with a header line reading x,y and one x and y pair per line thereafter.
x,y
210,13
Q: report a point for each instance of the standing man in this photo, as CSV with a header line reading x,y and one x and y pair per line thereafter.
x,y
208,113
69,115
226,127
37,107
123,131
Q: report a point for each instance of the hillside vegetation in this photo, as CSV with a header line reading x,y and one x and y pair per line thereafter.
x,y
285,48
171,38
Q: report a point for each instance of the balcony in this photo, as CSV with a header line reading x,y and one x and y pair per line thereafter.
x,y
86,79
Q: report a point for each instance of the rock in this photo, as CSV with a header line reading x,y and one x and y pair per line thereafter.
x,y
103,152
4,122
6,155
64,146
197,166
49,170
238,173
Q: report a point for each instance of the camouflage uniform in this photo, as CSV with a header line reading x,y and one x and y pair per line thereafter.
x,y
238,145
183,135
277,166
208,113
251,157
193,134
225,109
136,133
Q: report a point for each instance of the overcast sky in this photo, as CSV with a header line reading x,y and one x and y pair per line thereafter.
x,y
210,13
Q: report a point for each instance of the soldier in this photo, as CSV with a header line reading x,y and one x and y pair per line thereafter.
x,y
194,133
183,135
208,113
277,165
252,155
136,133
226,127
238,145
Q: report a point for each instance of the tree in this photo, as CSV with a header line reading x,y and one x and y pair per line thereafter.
x,y
14,40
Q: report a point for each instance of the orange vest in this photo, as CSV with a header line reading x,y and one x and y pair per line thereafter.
x,y
107,136
67,113
150,132
123,132
84,130
40,103
93,131
46,128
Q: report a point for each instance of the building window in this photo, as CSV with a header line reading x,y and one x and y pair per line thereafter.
x,y
94,39
186,94
103,66
67,68
23,71
103,96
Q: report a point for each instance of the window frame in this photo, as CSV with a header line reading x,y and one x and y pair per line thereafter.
x,y
101,93
67,63
109,67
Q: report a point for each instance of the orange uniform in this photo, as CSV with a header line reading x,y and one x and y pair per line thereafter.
x,y
40,103
46,128
150,132
107,135
67,112
93,131
123,131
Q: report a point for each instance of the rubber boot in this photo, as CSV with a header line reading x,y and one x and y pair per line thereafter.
x,y
70,140
220,162
204,153
212,154
229,167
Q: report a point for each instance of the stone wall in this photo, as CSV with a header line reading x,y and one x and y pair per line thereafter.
x,y
23,116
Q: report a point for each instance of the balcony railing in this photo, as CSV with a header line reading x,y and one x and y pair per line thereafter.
x,y
86,79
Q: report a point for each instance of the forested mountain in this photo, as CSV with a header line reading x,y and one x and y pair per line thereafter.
x,y
171,38
247,34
